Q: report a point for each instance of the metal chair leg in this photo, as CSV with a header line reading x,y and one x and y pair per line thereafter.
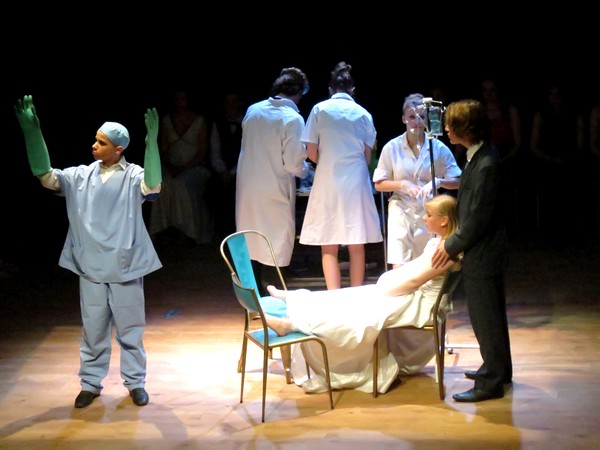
x,y
286,359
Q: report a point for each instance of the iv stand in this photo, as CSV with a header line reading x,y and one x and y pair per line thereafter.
x,y
434,128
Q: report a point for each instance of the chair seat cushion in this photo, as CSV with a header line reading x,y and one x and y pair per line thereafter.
x,y
274,339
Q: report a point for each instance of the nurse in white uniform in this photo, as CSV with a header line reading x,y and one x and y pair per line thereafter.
x,y
404,169
339,137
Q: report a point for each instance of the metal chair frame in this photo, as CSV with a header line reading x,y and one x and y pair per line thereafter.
x,y
246,292
437,327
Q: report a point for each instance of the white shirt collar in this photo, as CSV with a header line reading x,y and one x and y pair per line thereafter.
x,y
106,172
473,149
343,95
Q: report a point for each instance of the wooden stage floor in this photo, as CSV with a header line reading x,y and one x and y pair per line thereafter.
x,y
193,343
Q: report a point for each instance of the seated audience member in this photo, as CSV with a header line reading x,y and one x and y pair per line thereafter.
x,y
225,145
181,211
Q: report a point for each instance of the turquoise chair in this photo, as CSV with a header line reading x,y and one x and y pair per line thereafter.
x,y
236,247
246,291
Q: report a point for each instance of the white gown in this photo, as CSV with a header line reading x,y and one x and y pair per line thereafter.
x,y
349,320
181,202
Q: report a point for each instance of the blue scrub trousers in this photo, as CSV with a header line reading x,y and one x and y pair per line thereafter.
x,y
102,306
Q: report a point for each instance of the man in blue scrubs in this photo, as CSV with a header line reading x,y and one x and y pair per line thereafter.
x,y
107,244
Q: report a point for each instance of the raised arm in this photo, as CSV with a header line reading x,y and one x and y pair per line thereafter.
x,y
152,169
37,152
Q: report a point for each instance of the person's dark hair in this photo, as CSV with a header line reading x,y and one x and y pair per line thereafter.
x,y
341,80
291,81
468,120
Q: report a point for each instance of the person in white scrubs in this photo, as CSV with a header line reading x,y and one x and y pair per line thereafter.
x,y
404,169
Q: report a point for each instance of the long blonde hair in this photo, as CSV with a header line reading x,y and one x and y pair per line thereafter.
x,y
445,205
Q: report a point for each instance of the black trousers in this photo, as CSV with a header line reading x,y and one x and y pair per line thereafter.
x,y
486,304
265,275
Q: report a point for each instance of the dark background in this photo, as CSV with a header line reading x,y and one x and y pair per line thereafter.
x,y
100,68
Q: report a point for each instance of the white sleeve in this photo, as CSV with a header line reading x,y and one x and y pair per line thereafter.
x,y
50,181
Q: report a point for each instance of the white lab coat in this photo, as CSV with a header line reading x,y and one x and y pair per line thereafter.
x,y
272,155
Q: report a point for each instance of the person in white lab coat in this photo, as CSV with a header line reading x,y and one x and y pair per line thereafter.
x,y
271,157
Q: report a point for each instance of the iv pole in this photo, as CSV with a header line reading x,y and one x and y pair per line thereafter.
x,y
434,128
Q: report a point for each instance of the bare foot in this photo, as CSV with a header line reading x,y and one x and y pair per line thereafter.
x,y
277,293
279,325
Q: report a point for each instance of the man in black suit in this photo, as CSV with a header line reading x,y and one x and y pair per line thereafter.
x,y
481,242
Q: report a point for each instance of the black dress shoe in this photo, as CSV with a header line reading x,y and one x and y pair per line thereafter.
x,y
477,395
139,396
85,398
471,374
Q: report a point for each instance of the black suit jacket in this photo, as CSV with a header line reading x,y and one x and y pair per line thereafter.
x,y
481,234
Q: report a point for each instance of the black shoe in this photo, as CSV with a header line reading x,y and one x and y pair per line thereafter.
x,y
471,374
139,396
85,398
477,395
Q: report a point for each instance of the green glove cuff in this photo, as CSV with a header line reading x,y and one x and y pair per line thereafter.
x,y
37,152
152,169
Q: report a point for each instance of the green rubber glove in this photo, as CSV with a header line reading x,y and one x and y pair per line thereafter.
x,y
152,169
37,152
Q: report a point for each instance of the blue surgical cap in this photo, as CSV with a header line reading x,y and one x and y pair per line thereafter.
x,y
117,133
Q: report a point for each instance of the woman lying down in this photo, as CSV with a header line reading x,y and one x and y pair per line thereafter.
x,y
350,319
